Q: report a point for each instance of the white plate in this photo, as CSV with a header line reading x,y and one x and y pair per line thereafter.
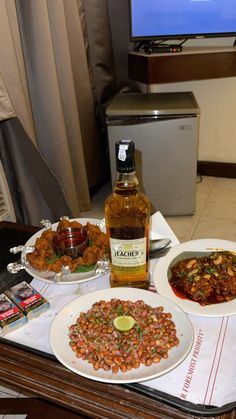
x,y
71,278
163,287
60,342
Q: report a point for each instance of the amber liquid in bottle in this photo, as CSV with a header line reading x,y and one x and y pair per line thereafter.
x,y
127,214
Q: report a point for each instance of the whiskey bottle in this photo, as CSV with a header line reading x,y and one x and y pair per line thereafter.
x,y
127,214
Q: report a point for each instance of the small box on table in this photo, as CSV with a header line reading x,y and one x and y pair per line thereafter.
x,y
28,299
11,317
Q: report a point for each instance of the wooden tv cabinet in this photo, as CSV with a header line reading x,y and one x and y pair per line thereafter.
x,y
190,64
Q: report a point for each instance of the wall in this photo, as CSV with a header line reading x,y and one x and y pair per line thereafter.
x,y
217,103
216,98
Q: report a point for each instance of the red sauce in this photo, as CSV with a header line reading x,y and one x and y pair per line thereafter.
x,y
71,242
179,293
70,238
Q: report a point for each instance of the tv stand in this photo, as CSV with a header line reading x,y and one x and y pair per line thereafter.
x,y
191,64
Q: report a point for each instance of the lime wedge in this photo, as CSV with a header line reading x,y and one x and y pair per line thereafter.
x,y
124,323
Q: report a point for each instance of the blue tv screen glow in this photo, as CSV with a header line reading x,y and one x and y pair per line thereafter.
x,y
166,19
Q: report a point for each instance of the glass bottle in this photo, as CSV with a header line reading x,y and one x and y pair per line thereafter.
x,y
127,215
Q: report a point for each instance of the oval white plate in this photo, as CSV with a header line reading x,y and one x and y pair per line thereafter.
x,y
60,342
71,278
163,287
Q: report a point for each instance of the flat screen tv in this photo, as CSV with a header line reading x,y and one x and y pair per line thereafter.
x,y
181,19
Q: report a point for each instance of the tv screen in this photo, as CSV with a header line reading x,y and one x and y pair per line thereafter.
x,y
181,19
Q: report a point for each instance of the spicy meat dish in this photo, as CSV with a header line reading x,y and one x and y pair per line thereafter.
x,y
207,279
95,338
44,258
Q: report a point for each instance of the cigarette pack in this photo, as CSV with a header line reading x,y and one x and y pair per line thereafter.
x,y
28,299
11,317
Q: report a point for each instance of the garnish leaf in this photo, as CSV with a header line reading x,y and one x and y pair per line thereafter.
x,y
84,268
52,259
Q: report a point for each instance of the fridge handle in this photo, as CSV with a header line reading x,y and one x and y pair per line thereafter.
x,y
138,120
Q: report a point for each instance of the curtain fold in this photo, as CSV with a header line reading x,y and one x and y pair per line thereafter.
x,y
57,64
6,108
100,50
93,144
52,90
12,66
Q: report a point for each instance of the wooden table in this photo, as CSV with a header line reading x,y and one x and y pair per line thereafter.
x,y
43,376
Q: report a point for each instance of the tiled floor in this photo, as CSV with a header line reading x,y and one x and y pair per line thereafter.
x,y
215,217
7,392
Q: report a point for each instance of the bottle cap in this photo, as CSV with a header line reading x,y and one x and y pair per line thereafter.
x,y
125,160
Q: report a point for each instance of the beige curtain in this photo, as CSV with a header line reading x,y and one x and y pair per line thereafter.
x,y
44,63
12,67
6,108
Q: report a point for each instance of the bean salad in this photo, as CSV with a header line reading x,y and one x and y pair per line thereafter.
x,y
95,339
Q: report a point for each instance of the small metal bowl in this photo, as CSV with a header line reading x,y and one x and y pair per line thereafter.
x,y
71,242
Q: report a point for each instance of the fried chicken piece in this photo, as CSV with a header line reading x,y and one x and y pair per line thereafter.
x,y
75,224
92,254
48,234
96,236
63,224
101,241
93,228
37,260
42,244
57,265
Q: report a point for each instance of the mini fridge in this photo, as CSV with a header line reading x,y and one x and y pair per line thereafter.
x,y
164,128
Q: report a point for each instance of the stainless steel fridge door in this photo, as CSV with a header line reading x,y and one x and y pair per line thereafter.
x,y
166,159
